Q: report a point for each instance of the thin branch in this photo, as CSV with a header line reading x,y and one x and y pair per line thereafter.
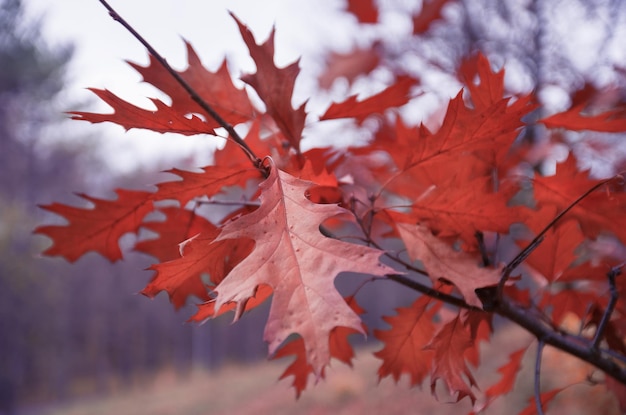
x,y
538,377
192,93
597,338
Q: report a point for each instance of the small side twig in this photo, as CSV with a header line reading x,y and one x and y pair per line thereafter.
x,y
256,161
538,377
597,338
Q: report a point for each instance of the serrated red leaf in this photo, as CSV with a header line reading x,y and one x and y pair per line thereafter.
x,y
599,212
299,263
96,229
393,96
449,345
443,262
613,121
339,346
364,10
274,86
430,12
179,225
181,277
349,65
545,398
208,183
215,88
505,384
411,330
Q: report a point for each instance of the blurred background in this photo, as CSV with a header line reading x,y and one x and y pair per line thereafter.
x,y
73,333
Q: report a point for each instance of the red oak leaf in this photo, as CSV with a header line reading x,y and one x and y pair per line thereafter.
x,y
349,65
274,86
459,209
411,330
395,95
443,262
215,88
600,211
506,383
545,398
339,345
555,254
449,345
364,10
613,121
569,301
299,263
210,182
181,277
430,12
178,226
96,229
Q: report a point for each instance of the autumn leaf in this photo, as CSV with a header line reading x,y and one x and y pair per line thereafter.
x,y
430,12
601,211
453,210
215,88
443,262
410,331
613,121
395,95
364,10
505,384
299,263
211,181
96,229
545,398
274,86
449,345
339,346
349,65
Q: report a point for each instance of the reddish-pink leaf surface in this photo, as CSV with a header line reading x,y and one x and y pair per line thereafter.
x,y
393,96
299,263
411,330
364,10
211,181
430,12
449,345
215,88
274,86
96,229
340,349
572,119
443,262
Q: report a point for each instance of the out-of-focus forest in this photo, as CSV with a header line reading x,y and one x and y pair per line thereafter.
x,y
70,330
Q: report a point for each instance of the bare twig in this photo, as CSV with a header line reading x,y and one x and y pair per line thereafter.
x,y
538,377
597,338
192,93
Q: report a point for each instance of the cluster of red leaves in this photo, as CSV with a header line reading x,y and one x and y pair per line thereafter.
x,y
433,191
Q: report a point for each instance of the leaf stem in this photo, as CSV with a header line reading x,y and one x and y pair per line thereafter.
x,y
256,161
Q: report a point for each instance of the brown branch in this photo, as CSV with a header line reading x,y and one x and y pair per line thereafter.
x,y
192,93
597,338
